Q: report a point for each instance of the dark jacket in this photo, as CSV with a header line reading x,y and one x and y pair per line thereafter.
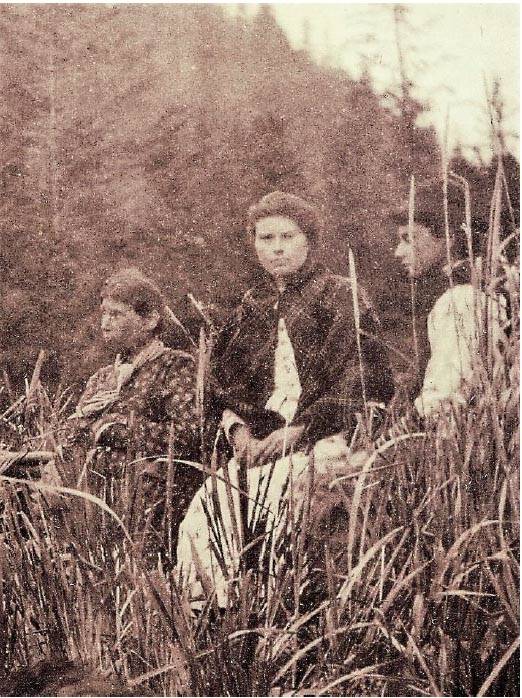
x,y
318,309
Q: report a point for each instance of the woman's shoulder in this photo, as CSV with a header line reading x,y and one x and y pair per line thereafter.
x,y
339,290
252,301
464,299
172,367
166,366
256,295
177,357
459,298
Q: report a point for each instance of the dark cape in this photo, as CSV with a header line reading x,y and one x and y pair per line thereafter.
x,y
318,310
428,288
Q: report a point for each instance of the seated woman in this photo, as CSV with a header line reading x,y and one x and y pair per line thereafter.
x,y
452,318
286,373
138,409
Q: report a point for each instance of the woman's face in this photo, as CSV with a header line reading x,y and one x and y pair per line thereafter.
x,y
420,251
282,248
122,327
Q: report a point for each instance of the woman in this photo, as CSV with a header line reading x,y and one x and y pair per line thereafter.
x,y
452,315
286,375
137,410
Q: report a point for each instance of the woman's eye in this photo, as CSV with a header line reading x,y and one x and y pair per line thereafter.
x,y
287,236
265,238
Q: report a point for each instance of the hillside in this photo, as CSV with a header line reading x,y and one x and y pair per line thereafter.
x,y
140,134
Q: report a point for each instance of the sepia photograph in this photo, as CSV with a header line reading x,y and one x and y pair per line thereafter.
x,y
259,349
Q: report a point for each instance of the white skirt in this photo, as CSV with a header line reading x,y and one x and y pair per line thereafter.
x,y
269,488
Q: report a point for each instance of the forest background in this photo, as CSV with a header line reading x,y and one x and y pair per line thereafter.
x,y
140,134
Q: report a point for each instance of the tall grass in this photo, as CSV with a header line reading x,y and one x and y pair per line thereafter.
x,y
397,577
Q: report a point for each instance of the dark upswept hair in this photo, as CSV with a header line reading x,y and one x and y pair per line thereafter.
x,y
278,203
132,287
429,208
429,212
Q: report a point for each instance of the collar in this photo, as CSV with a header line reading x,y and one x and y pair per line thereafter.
x,y
430,286
108,393
149,352
268,289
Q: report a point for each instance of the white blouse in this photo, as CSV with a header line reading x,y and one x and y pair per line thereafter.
x,y
287,386
454,328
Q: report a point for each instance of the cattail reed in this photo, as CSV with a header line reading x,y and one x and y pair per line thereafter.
x,y
398,574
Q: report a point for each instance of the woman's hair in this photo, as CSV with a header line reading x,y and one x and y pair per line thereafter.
x,y
429,212
132,287
278,203
429,218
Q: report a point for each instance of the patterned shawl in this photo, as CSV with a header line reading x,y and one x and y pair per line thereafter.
x,y
318,310
107,391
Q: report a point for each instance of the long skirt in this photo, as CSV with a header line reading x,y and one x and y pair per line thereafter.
x,y
211,536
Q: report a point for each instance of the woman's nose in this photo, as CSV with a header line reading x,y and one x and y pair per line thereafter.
x,y
278,246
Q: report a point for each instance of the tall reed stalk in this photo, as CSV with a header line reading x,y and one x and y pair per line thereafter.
x,y
398,577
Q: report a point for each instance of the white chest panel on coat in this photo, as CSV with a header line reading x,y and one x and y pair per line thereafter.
x,y
287,386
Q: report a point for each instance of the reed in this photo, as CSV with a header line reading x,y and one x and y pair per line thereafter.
x,y
397,577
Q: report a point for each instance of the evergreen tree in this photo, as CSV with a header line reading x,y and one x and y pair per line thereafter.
x,y
141,134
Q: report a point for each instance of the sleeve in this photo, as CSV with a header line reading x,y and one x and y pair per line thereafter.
x,y
339,394
224,389
453,335
173,413
164,408
77,429
214,404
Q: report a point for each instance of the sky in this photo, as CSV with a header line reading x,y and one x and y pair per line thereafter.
x,y
452,50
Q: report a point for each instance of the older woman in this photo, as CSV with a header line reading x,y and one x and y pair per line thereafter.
x,y
289,372
138,409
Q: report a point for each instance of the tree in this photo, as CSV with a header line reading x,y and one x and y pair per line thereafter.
x,y
139,135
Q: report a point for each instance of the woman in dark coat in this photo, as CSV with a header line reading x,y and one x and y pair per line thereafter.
x,y
289,371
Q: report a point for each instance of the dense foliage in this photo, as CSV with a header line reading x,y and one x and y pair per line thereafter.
x,y
140,134
398,577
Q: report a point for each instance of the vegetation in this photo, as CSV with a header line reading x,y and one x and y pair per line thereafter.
x,y
139,135
397,576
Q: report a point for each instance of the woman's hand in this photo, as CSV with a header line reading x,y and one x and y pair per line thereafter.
x,y
110,431
271,448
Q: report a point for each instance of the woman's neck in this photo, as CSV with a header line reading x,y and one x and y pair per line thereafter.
x,y
280,283
130,353
283,282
